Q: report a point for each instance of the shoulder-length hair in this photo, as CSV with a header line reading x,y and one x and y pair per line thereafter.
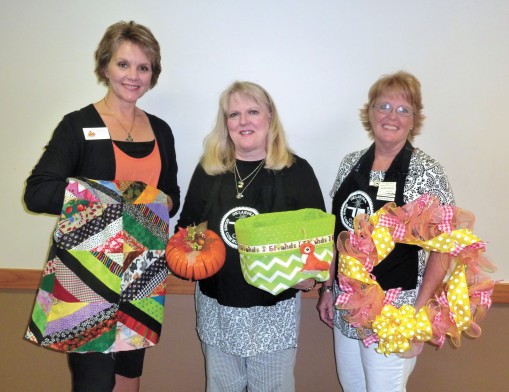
x,y
400,83
132,32
219,151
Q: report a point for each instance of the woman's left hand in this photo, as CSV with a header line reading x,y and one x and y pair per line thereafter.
x,y
306,285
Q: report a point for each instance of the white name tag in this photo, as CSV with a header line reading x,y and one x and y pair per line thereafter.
x,y
386,191
96,133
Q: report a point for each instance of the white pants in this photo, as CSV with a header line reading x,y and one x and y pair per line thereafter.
x,y
271,372
362,369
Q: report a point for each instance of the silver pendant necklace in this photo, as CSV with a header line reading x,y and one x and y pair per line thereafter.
x,y
240,186
129,138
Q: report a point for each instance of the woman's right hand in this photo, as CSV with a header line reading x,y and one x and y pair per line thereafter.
x,y
325,308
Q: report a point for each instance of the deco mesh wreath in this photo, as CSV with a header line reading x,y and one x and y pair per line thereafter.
x,y
456,309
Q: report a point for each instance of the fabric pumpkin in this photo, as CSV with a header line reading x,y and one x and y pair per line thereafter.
x,y
195,252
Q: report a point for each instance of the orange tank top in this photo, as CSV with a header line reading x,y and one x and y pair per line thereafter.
x,y
146,169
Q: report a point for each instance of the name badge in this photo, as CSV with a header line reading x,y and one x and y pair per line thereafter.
x,y
386,191
96,133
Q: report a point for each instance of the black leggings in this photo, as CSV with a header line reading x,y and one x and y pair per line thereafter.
x,y
95,372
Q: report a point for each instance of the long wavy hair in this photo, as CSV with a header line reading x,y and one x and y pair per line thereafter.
x,y
219,151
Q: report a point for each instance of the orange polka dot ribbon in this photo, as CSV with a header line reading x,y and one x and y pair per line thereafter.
x,y
455,309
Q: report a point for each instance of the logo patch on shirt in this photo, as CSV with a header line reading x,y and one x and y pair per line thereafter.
x,y
356,203
226,227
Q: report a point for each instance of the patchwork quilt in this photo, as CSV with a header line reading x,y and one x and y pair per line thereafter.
x,y
104,284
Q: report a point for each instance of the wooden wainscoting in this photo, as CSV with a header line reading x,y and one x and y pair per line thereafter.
x,y
28,279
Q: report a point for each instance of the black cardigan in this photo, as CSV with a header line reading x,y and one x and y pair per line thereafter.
x,y
68,154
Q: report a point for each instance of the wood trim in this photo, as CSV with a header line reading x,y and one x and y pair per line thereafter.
x,y
501,293
28,279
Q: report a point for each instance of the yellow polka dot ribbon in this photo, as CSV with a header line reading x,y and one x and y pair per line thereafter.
x,y
435,228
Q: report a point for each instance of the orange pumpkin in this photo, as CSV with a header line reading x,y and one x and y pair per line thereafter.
x,y
195,252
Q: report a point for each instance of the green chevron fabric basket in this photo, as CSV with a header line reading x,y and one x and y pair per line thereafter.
x,y
280,249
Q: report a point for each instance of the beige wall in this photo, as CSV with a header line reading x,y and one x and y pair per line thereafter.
x,y
316,58
177,363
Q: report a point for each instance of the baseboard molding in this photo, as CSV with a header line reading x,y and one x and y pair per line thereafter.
x,y
28,279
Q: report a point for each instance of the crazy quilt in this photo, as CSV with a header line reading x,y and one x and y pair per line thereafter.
x,y
104,284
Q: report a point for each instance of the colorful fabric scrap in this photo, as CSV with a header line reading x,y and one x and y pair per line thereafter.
x,y
455,310
103,287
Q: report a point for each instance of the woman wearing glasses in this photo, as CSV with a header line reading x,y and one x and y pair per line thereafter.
x,y
391,169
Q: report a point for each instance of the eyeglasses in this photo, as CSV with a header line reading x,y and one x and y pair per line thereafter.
x,y
386,108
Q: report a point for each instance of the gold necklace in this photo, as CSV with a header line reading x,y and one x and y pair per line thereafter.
x,y
240,183
129,138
